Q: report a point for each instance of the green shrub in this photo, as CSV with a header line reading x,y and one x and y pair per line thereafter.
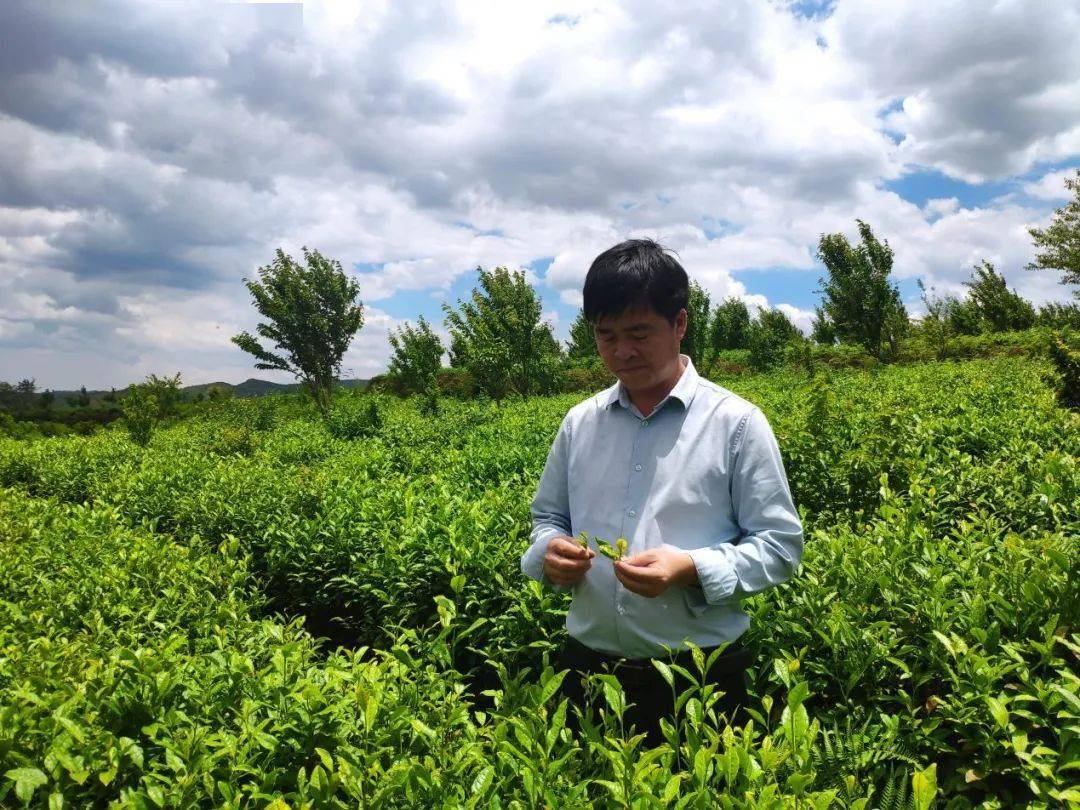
x,y
140,409
456,382
1065,378
15,429
233,439
767,349
355,417
264,414
585,375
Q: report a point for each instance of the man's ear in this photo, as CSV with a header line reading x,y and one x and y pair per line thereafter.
x,y
681,321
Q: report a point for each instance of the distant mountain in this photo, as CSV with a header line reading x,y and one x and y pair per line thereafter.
x,y
250,387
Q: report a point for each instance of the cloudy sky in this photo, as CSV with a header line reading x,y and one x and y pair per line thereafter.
x,y
153,154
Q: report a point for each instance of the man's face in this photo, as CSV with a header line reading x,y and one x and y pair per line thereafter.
x,y
640,347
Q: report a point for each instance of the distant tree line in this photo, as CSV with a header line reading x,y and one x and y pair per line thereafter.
x,y
499,339
498,336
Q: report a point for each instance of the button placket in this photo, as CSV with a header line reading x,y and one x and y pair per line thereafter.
x,y
633,494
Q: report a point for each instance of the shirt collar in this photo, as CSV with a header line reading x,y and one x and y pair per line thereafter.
x,y
683,391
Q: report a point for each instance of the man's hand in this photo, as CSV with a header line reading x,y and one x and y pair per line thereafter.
x,y
652,572
565,561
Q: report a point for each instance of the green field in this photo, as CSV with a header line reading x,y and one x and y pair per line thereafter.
x,y
257,609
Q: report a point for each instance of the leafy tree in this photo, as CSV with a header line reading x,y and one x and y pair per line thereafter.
x,y
1059,244
1001,308
166,391
500,338
457,351
47,400
1058,315
769,336
936,327
779,324
7,396
822,330
140,408
893,330
582,343
695,342
417,356
964,316
730,327
81,399
109,397
766,350
217,393
312,319
24,391
858,299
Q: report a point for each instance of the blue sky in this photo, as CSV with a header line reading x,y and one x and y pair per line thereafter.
x,y
921,185
797,286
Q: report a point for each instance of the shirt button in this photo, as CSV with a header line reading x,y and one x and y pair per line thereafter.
x,y
644,422
633,513
637,467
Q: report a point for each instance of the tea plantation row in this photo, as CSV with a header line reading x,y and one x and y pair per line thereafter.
x,y
147,657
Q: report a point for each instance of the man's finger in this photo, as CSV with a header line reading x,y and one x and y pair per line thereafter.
x,y
641,590
639,574
560,578
641,558
568,566
568,548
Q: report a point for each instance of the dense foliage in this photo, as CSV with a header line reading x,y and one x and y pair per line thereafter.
x,y
163,609
416,358
500,337
859,300
311,316
1058,245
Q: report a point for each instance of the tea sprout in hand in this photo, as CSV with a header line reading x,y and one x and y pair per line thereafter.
x,y
614,552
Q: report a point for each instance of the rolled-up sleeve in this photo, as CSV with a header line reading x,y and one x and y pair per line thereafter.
x,y
550,508
770,548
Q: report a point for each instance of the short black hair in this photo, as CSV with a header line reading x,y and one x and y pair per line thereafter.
x,y
635,273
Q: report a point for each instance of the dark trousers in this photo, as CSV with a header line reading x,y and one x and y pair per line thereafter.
x,y
646,688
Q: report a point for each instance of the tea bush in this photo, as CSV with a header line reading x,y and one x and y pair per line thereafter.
x,y
928,645
354,417
1065,377
137,673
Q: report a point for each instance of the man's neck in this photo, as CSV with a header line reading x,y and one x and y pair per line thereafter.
x,y
645,401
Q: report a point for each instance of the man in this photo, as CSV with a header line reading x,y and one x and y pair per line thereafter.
x,y
688,472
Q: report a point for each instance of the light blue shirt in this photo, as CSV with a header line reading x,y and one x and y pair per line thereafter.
x,y
702,474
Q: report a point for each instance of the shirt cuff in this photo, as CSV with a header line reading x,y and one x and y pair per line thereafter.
x,y
716,574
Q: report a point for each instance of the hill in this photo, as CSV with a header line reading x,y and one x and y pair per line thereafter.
x,y
250,387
